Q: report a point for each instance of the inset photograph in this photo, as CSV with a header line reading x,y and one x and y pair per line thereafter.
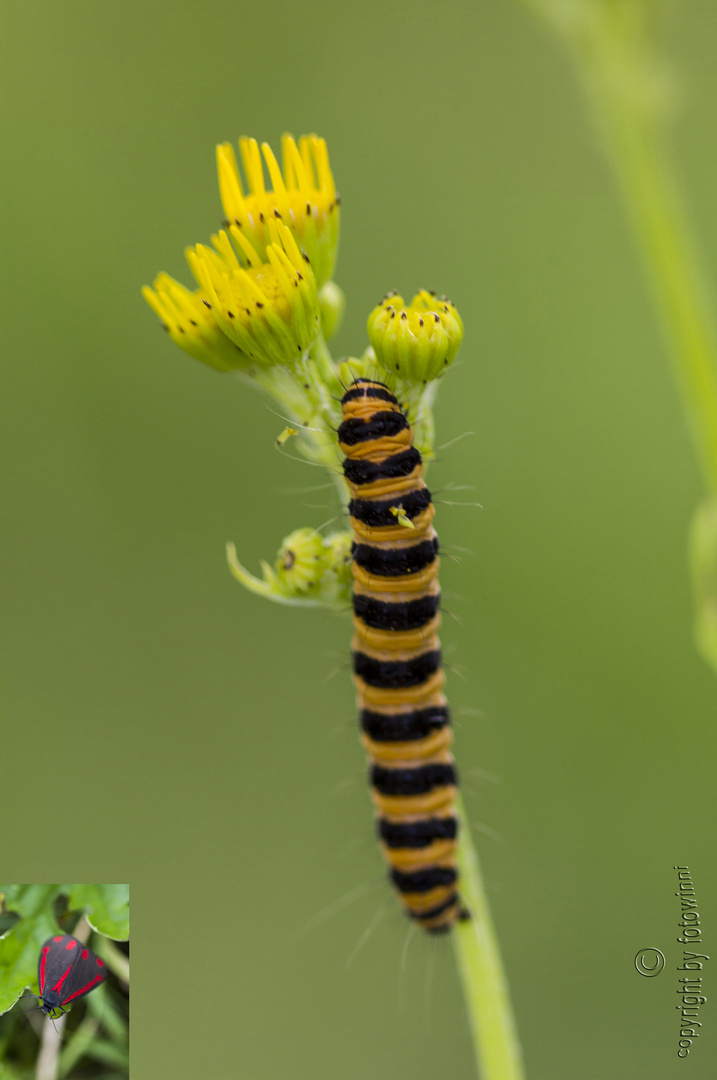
x,y
64,982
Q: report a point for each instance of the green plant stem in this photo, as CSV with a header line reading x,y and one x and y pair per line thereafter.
x,y
656,211
613,47
485,989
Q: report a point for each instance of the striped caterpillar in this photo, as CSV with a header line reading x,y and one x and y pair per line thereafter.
x,y
264,308
405,726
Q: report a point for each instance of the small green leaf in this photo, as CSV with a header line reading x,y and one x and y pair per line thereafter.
x,y
106,907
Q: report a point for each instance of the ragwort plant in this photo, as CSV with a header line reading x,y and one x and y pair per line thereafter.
x,y
264,306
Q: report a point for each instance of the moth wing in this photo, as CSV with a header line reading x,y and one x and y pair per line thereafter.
x,y
86,972
67,969
55,959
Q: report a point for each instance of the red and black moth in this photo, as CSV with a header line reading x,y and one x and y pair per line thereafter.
x,y
67,970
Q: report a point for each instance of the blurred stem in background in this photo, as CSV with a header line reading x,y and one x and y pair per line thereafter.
x,y
613,44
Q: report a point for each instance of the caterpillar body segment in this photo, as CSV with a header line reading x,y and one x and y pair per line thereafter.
x,y
405,725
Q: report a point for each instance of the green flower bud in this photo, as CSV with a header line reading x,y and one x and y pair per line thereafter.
x,y
309,570
418,341
332,303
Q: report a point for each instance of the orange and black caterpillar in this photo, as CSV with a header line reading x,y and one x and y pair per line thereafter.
x,y
396,654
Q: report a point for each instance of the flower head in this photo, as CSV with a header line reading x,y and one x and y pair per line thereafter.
x,y
269,309
309,570
191,326
302,197
416,341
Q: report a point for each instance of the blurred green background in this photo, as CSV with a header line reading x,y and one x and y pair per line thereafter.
x,y
167,728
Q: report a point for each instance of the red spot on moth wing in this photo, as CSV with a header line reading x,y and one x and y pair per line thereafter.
x,y
100,962
85,954
58,938
71,944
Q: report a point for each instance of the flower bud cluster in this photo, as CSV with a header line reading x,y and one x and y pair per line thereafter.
x,y
309,570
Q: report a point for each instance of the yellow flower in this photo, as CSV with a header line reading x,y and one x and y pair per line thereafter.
x,y
269,309
303,197
416,341
191,326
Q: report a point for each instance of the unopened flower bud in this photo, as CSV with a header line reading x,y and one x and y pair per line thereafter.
x,y
309,570
416,341
331,303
